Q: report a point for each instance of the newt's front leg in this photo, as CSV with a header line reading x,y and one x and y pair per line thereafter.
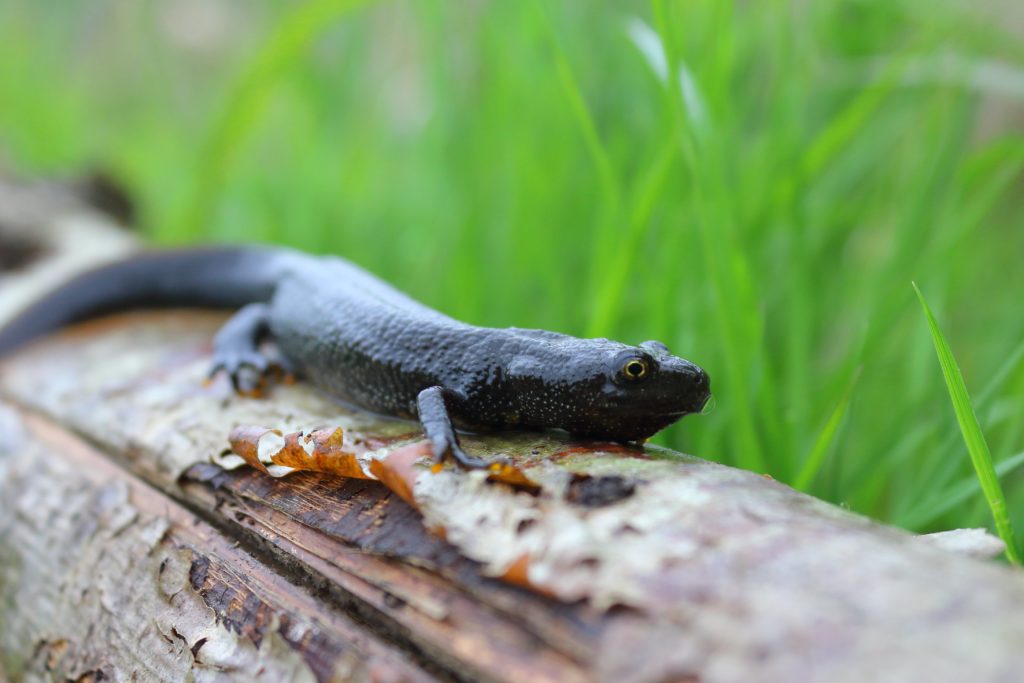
x,y
236,350
433,406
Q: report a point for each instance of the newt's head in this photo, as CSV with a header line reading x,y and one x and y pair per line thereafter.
x,y
646,389
608,390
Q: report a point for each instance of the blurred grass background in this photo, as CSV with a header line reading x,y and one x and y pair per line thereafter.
x,y
756,184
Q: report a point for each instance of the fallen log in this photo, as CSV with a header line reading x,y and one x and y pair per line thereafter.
x,y
50,231
134,542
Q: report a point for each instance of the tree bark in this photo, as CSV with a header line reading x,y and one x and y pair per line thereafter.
x,y
134,545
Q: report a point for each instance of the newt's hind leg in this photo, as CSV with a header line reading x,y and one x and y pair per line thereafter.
x,y
236,350
433,405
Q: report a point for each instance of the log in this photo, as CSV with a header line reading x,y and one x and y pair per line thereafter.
x,y
50,231
136,544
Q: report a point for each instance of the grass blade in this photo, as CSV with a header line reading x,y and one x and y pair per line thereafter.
x,y
977,447
612,287
611,184
825,439
248,101
933,508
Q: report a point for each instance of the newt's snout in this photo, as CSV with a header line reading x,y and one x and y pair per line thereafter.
x,y
701,388
680,387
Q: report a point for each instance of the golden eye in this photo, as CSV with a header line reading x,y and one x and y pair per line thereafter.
x,y
634,368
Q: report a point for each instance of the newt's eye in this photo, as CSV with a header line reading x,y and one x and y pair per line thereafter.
x,y
635,368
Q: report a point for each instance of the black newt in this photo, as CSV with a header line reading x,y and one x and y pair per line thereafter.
x,y
364,342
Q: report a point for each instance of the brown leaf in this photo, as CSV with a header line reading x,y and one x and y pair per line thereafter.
x,y
321,450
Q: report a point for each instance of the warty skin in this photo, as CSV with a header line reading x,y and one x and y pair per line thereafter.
x,y
364,342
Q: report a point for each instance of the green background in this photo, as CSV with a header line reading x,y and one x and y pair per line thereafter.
x,y
528,163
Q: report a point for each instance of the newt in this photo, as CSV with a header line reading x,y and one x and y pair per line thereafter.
x,y
368,344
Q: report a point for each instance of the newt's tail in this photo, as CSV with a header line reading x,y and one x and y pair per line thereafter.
x,y
219,277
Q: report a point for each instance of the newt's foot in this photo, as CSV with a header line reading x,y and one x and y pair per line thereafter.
x,y
249,371
237,351
467,461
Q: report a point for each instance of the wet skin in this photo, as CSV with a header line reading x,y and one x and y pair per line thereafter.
x,y
365,342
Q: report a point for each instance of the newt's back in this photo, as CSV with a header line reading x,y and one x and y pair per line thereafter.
x,y
364,341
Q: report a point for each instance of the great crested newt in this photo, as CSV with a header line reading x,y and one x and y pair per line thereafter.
x,y
364,342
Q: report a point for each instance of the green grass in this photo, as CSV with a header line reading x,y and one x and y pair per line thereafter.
x,y
974,438
752,183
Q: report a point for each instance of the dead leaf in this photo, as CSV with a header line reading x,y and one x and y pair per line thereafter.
x,y
321,450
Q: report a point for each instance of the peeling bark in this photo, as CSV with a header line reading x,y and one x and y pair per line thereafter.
x,y
103,576
717,573
134,543
84,569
